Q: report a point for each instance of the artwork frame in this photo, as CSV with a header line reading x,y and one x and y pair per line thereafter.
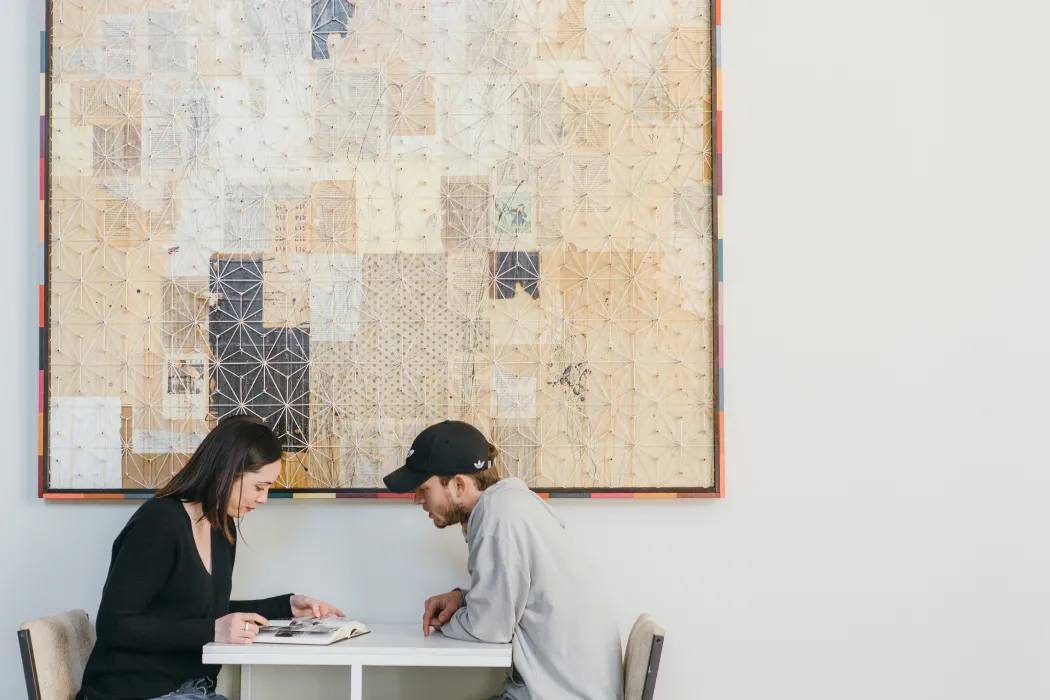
x,y
183,375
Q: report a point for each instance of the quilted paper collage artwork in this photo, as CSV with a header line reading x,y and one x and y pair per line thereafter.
x,y
355,219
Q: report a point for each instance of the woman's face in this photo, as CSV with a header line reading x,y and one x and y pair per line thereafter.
x,y
251,489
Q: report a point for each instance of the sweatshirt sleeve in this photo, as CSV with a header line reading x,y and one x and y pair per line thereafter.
x,y
495,601
276,608
142,562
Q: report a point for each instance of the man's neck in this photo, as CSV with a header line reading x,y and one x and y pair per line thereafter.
x,y
470,500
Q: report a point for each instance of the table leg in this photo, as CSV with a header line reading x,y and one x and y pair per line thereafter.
x,y
356,682
246,682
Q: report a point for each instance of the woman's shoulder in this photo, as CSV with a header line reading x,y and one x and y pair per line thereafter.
x,y
159,511
154,524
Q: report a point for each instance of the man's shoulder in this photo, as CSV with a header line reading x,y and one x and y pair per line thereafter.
x,y
509,493
512,507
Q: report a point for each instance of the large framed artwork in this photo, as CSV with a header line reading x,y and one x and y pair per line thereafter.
x,y
357,218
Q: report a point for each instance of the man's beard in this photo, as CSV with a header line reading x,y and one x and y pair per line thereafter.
x,y
455,515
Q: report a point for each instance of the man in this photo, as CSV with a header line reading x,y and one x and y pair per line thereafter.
x,y
528,586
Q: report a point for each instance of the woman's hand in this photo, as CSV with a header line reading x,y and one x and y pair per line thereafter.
x,y
238,628
305,606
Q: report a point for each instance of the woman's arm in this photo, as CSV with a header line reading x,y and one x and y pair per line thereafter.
x,y
276,608
142,563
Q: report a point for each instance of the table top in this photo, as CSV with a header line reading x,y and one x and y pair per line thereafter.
x,y
384,645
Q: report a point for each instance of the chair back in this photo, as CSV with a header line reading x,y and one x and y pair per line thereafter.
x,y
641,659
55,650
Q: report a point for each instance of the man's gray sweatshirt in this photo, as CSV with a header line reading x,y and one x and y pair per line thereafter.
x,y
531,588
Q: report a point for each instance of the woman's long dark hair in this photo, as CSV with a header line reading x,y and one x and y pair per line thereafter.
x,y
236,445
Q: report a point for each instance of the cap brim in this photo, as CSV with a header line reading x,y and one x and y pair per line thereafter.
x,y
404,480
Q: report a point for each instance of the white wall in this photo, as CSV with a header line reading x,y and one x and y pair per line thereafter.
x,y
885,534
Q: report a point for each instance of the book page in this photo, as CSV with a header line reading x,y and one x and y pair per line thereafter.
x,y
310,630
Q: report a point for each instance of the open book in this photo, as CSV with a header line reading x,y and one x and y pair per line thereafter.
x,y
309,630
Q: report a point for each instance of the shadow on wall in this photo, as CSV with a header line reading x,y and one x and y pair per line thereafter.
x,y
324,682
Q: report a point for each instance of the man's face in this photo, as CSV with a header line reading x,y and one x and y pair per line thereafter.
x,y
442,502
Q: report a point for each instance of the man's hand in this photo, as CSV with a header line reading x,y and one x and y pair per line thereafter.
x,y
305,606
439,610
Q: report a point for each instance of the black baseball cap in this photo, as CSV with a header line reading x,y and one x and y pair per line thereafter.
x,y
444,449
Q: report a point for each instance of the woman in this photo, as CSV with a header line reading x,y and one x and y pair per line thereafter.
x,y
167,593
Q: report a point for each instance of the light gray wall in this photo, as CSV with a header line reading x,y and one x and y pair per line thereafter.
x,y
885,534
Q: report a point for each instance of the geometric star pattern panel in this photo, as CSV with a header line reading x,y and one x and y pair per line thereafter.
x,y
354,219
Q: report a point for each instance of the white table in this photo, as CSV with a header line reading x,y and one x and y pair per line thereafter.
x,y
385,645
